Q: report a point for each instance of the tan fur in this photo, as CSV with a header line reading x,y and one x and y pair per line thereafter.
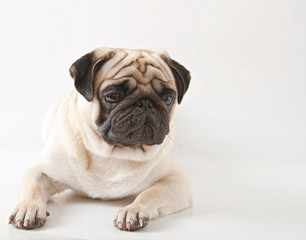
x,y
76,157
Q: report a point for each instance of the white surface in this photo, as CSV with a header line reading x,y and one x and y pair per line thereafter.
x,y
242,124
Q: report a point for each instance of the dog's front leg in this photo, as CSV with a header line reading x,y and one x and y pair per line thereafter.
x,y
168,195
35,190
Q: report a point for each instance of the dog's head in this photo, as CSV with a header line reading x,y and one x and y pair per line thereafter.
x,y
135,90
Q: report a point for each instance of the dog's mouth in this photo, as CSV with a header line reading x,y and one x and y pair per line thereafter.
x,y
144,134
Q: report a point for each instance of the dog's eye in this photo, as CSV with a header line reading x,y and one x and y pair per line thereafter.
x,y
113,98
169,100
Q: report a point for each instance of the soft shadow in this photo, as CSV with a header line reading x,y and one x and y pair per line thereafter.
x,y
60,206
71,197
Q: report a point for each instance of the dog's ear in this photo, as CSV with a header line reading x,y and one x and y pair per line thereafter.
x,y
181,75
84,70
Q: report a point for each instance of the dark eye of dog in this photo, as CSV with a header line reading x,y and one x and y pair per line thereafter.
x,y
169,100
168,96
113,97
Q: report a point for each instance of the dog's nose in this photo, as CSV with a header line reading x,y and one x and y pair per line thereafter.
x,y
144,103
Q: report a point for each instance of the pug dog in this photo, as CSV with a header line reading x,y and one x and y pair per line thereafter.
x,y
111,138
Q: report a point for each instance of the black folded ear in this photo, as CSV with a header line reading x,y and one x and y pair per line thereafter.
x,y
84,70
182,78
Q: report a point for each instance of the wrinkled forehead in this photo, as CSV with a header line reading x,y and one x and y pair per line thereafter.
x,y
139,66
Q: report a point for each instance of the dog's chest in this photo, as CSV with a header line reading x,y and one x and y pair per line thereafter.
x,y
113,178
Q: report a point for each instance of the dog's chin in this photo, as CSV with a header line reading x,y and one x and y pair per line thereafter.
x,y
144,135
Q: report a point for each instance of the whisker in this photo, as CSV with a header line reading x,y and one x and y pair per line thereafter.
x,y
176,143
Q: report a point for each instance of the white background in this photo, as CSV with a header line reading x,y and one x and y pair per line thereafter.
x,y
244,112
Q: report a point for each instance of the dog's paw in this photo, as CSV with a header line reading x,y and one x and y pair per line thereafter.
x,y
28,215
131,218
